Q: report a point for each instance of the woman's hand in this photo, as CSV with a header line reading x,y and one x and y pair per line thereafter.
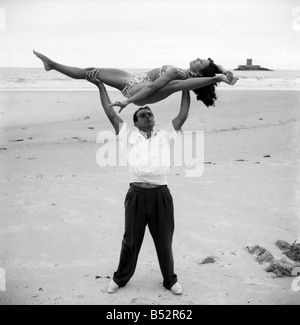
x,y
223,78
92,76
229,75
122,105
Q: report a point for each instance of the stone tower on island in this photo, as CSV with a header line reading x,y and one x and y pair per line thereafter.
x,y
250,66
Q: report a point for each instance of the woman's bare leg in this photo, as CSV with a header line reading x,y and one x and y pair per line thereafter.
x,y
72,72
112,77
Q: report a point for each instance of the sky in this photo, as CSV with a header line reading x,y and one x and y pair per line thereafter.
x,y
150,33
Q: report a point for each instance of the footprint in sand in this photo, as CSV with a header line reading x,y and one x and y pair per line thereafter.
x,y
139,301
101,277
207,260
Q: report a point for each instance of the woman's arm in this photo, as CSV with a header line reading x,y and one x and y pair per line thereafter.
x,y
151,88
221,69
227,73
194,83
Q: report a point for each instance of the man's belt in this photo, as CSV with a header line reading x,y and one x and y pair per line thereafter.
x,y
146,185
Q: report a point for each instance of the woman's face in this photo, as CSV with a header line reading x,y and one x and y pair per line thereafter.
x,y
199,64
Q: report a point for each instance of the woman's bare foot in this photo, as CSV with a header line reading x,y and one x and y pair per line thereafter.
x,y
46,61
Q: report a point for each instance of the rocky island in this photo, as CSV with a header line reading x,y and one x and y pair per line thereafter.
x,y
250,66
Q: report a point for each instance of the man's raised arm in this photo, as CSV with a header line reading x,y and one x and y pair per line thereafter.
x,y
184,111
114,118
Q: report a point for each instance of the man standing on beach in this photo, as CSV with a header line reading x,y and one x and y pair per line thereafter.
x,y
148,201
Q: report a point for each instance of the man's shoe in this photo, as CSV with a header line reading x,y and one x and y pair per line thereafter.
x,y
112,287
177,289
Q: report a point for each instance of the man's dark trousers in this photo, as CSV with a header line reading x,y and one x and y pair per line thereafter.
x,y
152,207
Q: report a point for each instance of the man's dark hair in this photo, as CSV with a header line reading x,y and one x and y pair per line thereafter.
x,y
207,94
135,119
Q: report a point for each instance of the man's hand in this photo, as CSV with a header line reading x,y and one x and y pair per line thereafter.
x,y
223,78
92,76
122,105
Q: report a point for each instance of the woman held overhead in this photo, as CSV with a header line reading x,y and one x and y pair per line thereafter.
x,y
154,85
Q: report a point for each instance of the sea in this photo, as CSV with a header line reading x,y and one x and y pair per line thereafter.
x,y
37,79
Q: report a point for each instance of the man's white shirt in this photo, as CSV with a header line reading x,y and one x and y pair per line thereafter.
x,y
148,159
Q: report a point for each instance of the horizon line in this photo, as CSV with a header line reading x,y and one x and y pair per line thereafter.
x,y
141,68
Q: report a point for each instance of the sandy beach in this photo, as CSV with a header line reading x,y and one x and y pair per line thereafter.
x,y
62,216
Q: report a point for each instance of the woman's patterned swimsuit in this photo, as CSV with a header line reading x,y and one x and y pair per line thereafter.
x,y
142,77
135,79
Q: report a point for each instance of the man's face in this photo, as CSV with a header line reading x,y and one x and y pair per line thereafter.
x,y
145,120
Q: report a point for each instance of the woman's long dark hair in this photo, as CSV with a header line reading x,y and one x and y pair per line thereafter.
x,y
207,94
